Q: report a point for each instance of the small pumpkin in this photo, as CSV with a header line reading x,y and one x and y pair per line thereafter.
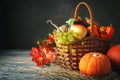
x,y
114,56
94,64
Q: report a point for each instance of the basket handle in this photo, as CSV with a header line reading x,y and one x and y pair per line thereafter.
x,y
90,12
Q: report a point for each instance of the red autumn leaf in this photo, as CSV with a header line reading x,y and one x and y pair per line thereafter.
x,y
43,54
39,61
34,53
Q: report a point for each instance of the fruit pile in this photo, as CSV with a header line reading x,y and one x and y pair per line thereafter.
x,y
77,29
71,31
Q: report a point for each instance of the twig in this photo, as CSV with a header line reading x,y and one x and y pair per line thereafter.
x,y
50,21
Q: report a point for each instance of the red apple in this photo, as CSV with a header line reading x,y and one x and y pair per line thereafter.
x,y
79,31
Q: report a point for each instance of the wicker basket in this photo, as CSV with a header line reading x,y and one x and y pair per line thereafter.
x,y
69,55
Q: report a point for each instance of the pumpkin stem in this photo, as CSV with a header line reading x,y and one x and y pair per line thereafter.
x,y
95,54
110,24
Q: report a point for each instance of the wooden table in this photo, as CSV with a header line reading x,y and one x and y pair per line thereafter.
x,y
17,65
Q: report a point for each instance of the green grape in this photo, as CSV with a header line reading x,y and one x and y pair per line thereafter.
x,y
65,37
70,38
59,37
66,34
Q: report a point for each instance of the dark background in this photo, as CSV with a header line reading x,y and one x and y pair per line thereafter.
x,y
23,22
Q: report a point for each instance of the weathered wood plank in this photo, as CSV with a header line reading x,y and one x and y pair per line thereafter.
x,y
17,65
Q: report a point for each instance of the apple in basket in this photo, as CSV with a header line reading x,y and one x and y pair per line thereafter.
x,y
79,31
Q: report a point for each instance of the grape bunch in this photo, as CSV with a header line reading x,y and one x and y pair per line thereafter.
x,y
65,38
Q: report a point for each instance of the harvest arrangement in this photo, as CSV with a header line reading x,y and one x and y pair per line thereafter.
x,y
79,44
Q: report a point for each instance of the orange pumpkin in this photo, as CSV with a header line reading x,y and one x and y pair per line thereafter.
x,y
94,64
114,55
